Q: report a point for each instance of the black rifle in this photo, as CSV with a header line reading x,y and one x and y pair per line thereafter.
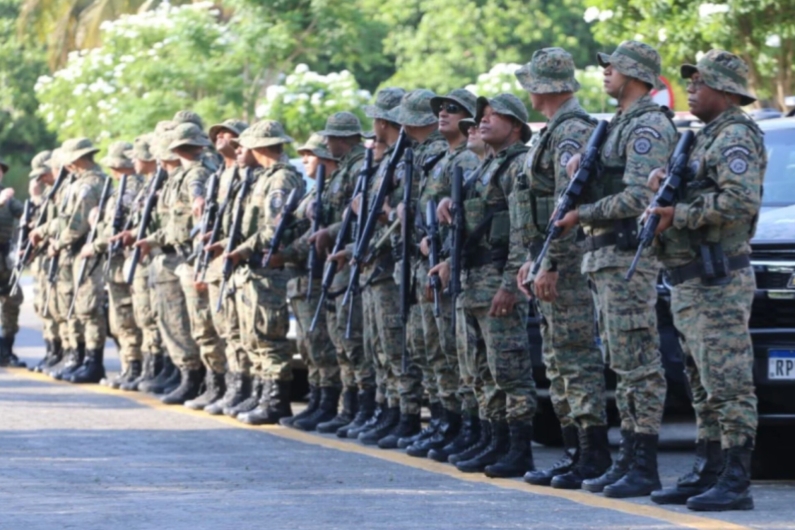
x,y
288,211
27,253
24,230
92,235
405,254
146,218
215,234
208,217
568,201
457,236
432,228
118,217
234,234
667,195
317,221
342,236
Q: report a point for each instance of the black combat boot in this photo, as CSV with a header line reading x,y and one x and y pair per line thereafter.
x,y
250,401
93,369
642,477
386,423
468,434
571,452
593,462
326,410
152,365
214,388
311,407
73,363
274,404
519,458
350,406
238,387
449,425
409,425
66,357
188,388
375,418
479,445
427,432
365,410
732,491
498,446
159,382
131,372
704,475
626,450
52,356
7,355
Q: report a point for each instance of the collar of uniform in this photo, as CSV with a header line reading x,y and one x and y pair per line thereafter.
x,y
518,146
728,114
356,151
460,148
435,136
569,106
642,101
190,164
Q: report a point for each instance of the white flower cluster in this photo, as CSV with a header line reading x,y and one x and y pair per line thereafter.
x,y
500,79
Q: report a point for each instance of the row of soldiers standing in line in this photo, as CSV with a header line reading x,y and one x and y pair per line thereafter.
x,y
478,376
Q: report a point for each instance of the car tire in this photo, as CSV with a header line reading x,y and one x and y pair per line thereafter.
x,y
546,427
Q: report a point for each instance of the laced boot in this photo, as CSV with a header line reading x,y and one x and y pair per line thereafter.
x,y
73,363
131,372
152,365
409,425
350,405
158,383
427,432
498,446
311,407
449,425
326,410
473,450
626,451
388,421
704,475
593,462
366,410
571,453
66,356
50,358
376,417
93,369
249,402
274,404
238,388
214,389
188,388
468,434
642,477
519,458
7,355
732,491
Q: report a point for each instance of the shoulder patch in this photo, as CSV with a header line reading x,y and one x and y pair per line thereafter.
x,y
277,199
85,191
565,157
642,146
570,144
736,150
645,129
738,166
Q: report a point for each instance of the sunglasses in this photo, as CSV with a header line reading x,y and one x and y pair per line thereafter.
x,y
452,108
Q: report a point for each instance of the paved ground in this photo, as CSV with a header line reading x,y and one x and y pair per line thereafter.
x,y
92,458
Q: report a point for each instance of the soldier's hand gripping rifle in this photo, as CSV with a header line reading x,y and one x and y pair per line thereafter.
x,y
234,235
342,236
432,227
288,213
92,236
27,253
146,218
317,221
208,217
118,218
569,199
215,234
405,255
457,236
667,195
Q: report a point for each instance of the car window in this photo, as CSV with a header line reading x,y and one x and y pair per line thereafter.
x,y
780,174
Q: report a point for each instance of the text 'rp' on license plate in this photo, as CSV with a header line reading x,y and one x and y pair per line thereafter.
x,y
781,364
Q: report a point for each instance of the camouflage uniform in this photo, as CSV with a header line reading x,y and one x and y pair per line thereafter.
x,y
10,213
40,165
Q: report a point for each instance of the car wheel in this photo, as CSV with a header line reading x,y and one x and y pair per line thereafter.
x,y
546,427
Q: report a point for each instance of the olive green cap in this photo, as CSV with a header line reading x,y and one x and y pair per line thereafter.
x,y
386,100
188,116
234,126
550,71
506,105
117,157
142,148
463,97
160,147
264,133
635,59
188,134
40,165
316,144
722,71
75,149
342,124
414,109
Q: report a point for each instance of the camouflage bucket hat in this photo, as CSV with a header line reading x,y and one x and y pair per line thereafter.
x,y
414,109
234,126
635,59
463,97
160,147
466,124
550,71
506,105
722,71
165,125
317,146
117,156
265,133
386,100
142,149
75,149
188,134
188,116
40,165
342,124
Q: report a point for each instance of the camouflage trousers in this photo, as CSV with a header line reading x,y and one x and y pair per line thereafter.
x,y
211,347
49,325
713,323
57,297
171,312
9,305
122,315
574,365
227,325
144,301
354,355
386,383
261,303
628,327
87,324
320,350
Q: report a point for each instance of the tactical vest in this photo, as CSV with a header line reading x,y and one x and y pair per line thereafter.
x,y
334,196
7,221
253,215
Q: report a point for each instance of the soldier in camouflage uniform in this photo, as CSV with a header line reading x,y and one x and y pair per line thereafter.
x,y
260,293
640,138
10,212
716,219
573,362
120,307
490,320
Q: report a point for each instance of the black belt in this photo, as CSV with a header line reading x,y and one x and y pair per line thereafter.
x,y
692,270
594,243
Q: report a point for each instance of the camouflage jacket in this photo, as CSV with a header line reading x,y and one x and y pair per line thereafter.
x,y
82,196
176,197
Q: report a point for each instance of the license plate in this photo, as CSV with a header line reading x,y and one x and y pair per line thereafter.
x,y
781,364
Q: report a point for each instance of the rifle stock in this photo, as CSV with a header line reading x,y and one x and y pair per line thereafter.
x,y
146,218
405,265
317,221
